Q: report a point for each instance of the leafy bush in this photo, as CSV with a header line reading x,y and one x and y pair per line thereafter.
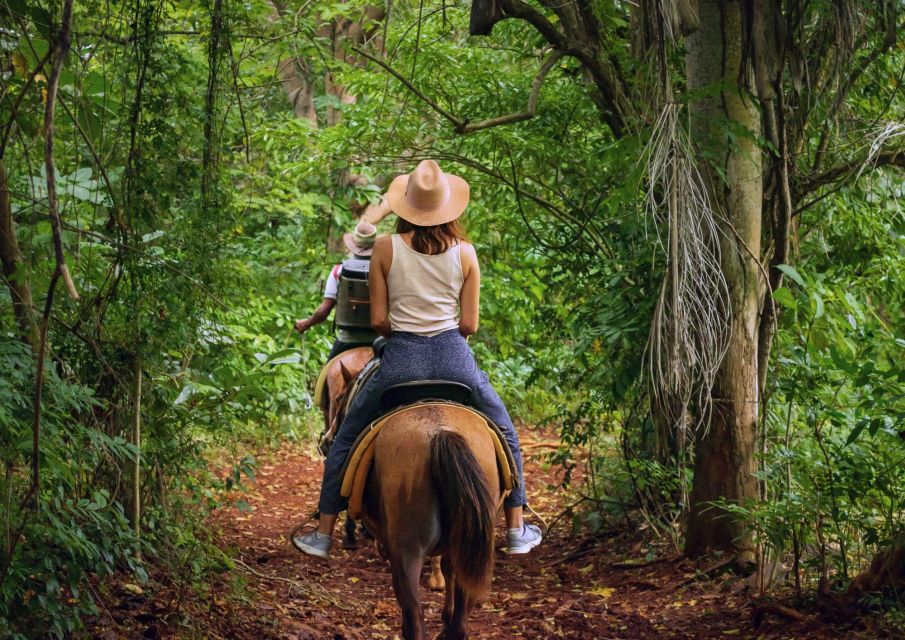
x,y
75,530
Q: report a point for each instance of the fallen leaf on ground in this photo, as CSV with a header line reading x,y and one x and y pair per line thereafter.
x,y
603,592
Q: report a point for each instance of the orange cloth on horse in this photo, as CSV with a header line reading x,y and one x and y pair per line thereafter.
x,y
358,464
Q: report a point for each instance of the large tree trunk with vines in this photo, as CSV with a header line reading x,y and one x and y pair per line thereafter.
x,y
724,454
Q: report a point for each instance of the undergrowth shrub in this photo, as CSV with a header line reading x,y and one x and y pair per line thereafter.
x,y
74,529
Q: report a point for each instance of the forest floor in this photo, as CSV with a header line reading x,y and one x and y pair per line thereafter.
x,y
569,587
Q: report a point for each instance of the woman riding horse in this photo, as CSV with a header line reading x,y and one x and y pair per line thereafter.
x,y
425,288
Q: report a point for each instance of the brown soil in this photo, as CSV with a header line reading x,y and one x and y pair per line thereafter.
x,y
570,587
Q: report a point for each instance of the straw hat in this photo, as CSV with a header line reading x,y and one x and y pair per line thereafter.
x,y
427,197
361,241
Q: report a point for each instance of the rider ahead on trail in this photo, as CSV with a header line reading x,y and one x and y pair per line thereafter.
x,y
352,330
425,288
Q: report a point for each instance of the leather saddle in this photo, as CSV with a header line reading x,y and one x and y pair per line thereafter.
x,y
401,397
422,390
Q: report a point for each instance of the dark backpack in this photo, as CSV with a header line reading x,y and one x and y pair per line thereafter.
x,y
353,302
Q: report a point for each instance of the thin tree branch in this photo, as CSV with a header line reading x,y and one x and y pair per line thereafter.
x,y
889,39
891,158
60,49
235,70
8,127
457,122
614,103
117,210
521,116
463,126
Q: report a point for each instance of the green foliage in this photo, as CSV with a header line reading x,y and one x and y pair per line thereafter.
x,y
77,530
836,446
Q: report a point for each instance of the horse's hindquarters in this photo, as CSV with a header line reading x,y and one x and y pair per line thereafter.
x,y
401,495
434,487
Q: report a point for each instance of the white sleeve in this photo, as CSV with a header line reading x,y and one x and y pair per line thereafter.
x,y
332,288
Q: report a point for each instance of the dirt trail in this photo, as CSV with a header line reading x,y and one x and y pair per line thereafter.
x,y
569,587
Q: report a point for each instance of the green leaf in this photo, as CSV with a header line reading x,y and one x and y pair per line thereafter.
x,y
792,273
856,431
784,297
100,499
818,304
283,356
875,425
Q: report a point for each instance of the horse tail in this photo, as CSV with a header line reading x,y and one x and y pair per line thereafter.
x,y
467,510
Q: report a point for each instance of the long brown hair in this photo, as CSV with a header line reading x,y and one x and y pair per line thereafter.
x,y
435,239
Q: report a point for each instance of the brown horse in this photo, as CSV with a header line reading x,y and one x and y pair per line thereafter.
x,y
340,372
339,375
434,490
339,379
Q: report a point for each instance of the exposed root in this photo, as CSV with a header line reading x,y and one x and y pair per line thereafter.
x,y
761,609
642,565
717,568
886,571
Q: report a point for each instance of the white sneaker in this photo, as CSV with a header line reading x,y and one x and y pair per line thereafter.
x,y
313,544
523,540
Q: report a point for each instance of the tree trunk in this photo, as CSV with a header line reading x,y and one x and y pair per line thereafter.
x,y
724,455
11,259
886,571
298,79
299,88
210,155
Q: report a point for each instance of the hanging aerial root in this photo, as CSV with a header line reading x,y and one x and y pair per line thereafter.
x,y
690,328
879,140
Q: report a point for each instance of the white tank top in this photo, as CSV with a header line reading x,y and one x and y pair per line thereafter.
x,y
424,290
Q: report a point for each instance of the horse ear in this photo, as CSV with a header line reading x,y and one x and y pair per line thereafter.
x,y
347,375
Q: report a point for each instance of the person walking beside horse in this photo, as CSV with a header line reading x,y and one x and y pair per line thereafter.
x,y
425,289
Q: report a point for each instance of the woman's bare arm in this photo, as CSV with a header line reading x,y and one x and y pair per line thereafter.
x,y
381,259
470,298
